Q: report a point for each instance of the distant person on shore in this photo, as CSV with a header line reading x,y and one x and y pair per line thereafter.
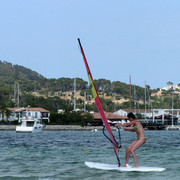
x,y
138,128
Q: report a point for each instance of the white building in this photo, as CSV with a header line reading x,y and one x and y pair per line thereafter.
x,y
32,113
143,112
170,87
121,112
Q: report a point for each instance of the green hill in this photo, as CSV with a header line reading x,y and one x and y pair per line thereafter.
x,y
36,90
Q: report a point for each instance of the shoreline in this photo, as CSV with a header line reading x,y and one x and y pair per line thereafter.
x,y
65,128
71,128
57,128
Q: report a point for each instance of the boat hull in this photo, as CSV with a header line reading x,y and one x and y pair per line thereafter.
x,y
20,129
30,126
172,128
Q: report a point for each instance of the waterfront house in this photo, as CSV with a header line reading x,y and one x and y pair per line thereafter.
x,y
34,113
110,116
123,112
161,116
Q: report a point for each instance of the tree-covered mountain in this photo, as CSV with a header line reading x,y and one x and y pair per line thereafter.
x,y
53,94
9,74
16,72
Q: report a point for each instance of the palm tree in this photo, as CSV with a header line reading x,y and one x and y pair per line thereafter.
x,y
5,112
169,83
2,109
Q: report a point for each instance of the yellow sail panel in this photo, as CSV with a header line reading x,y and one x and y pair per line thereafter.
x,y
92,87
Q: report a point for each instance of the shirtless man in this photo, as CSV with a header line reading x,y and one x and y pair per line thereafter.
x,y
137,127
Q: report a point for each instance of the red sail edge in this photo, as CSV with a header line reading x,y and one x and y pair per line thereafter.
x,y
98,103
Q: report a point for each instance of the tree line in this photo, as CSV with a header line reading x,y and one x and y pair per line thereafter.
x,y
30,81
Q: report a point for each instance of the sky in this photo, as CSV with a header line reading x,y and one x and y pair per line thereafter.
x,y
121,38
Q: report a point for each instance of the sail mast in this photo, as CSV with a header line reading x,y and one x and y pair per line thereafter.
x,y
98,104
74,94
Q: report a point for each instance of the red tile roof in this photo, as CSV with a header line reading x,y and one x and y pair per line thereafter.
x,y
18,109
109,116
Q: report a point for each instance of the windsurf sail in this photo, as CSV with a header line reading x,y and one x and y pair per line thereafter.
x,y
99,106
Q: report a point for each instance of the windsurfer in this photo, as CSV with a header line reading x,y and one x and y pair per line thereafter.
x,y
137,127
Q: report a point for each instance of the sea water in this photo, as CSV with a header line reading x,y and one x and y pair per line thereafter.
x,y
61,155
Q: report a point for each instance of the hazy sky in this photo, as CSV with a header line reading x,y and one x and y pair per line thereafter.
x,y
140,38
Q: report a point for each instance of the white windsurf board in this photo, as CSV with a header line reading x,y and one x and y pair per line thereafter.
x,y
103,166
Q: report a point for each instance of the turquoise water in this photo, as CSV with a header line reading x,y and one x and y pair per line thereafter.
x,y
61,155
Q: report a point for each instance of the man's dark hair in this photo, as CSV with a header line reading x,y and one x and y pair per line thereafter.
x,y
131,115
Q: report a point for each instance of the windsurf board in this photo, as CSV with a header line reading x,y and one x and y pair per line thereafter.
x,y
103,166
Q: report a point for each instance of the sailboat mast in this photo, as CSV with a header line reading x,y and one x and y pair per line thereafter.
x,y
15,92
172,105
145,99
134,100
74,94
18,95
130,92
